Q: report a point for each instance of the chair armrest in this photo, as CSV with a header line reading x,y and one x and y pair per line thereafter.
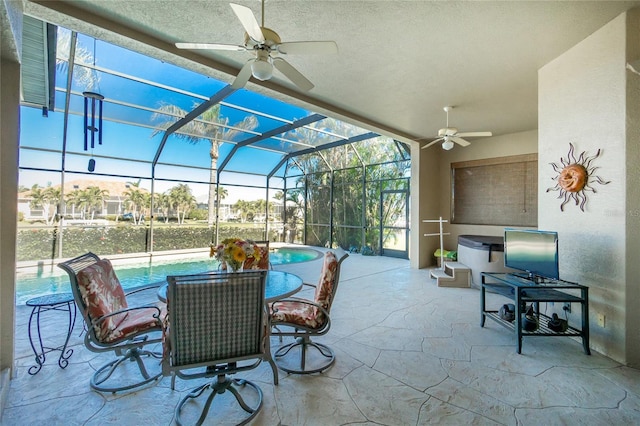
x,y
152,286
322,329
299,300
124,311
293,299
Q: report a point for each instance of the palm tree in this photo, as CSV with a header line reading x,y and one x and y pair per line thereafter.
x,y
244,208
135,200
87,78
94,198
74,198
37,198
163,203
222,193
45,198
210,126
182,199
52,196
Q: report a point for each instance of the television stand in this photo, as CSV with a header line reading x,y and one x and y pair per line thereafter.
x,y
522,289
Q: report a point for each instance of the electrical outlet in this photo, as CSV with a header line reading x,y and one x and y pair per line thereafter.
x,y
567,307
601,320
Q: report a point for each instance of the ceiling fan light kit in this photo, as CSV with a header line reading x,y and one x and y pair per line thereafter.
x,y
450,135
262,68
266,44
447,145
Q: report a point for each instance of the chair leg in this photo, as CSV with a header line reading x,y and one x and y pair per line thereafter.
x,y
304,343
245,407
106,371
220,386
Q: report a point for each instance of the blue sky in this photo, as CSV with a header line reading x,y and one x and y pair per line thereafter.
x,y
132,101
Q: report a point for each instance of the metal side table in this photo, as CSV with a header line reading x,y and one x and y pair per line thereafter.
x,y
51,302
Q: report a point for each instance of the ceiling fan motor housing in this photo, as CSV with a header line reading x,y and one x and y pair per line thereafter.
x,y
271,39
447,131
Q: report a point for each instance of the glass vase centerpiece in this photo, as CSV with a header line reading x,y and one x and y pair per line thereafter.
x,y
233,252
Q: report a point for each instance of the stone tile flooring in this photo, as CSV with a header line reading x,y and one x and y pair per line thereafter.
x,y
408,353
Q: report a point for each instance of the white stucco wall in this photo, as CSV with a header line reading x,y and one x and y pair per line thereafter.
x,y
633,193
425,195
582,100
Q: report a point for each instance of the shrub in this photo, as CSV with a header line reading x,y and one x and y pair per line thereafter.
x,y
42,243
198,214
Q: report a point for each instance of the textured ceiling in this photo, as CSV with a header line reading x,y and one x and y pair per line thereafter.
x,y
399,62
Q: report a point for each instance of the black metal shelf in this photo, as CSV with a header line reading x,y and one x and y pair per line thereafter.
x,y
543,329
522,290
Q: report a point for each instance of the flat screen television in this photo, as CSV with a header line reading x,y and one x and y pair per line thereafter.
x,y
533,251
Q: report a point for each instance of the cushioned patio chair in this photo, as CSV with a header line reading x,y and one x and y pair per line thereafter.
x,y
303,319
113,326
216,327
263,262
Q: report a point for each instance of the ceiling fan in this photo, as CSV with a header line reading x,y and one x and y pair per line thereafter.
x,y
449,135
266,45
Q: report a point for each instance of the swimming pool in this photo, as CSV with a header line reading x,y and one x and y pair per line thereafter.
x,y
55,280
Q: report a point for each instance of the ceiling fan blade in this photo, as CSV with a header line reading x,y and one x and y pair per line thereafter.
x,y
243,76
308,47
474,134
292,74
248,21
433,142
212,46
459,141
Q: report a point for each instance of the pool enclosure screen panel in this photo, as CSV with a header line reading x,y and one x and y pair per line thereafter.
x,y
394,219
348,217
317,176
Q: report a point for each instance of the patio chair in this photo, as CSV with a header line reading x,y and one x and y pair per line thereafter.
x,y
303,319
216,327
263,262
113,326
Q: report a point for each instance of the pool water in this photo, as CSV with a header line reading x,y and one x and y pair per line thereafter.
x,y
29,285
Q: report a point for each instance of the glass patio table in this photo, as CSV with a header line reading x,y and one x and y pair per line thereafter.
x,y
279,285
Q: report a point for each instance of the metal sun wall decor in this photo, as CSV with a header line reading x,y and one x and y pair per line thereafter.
x,y
575,177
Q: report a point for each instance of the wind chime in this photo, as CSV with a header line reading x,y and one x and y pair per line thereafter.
x,y
92,107
92,115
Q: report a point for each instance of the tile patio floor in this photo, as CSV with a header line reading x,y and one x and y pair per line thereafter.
x,y
408,353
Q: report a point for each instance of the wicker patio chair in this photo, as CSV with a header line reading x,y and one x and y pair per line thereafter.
x,y
113,326
216,327
303,319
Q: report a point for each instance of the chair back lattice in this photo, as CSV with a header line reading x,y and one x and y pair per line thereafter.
x,y
215,317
